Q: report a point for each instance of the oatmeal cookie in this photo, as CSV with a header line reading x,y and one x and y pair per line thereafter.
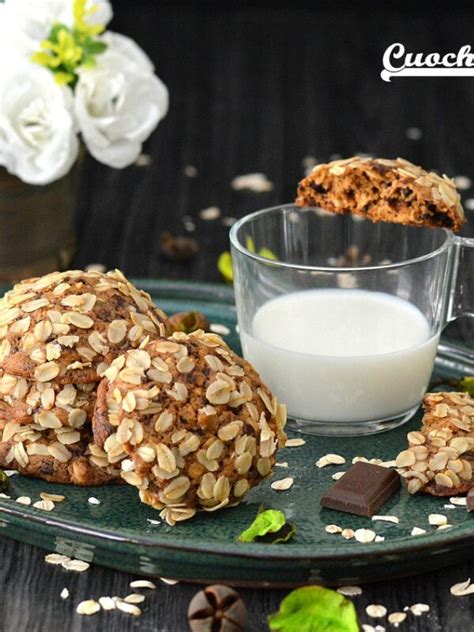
x,y
62,455
440,458
68,326
383,190
192,424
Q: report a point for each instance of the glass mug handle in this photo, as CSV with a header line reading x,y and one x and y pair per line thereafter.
x,y
461,298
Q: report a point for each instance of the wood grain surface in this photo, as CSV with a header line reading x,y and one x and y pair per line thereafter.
x,y
254,88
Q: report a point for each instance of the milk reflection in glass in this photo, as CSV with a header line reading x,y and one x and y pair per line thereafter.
x,y
342,355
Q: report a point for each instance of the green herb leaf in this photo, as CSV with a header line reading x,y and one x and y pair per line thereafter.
x,y
4,482
315,609
467,384
224,265
269,526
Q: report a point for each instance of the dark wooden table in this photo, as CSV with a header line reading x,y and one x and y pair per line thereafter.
x,y
254,88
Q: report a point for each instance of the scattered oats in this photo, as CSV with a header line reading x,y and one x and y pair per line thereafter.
x,y
55,498
143,160
217,328
96,267
151,521
134,598
64,593
449,506
189,226
376,611
462,182
414,133
282,464
88,607
107,603
142,583
350,591
190,171
56,558
128,608
93,501
10,473
294,443
379,538
44,505
5,496
461,502
228,221
24,500
436,520
283,484
170,582
337,475
419,608
444,526
396,618
256,182
462,589
347,534
330,459
332,528
469,204
393,519
210,213
364,535
417,531
79,566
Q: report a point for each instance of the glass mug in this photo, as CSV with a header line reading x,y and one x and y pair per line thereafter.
x,y
342,317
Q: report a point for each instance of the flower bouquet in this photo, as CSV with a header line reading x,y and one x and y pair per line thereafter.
x,y
63,75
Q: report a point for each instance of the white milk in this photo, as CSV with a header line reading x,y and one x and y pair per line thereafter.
x,y
342,355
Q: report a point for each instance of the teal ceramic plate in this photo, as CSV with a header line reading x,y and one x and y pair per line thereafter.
x,y
117,533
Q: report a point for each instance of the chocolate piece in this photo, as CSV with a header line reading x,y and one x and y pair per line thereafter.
x,y
470,500
217,609
362,490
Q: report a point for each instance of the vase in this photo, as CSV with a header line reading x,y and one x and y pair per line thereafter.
x,y
37,233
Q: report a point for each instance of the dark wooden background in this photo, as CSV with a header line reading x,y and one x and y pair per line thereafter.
x,y
254,87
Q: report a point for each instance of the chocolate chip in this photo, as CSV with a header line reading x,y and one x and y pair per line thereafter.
x,y
317,187
217,609
178,249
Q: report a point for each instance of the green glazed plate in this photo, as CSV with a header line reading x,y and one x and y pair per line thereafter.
x,y
117,533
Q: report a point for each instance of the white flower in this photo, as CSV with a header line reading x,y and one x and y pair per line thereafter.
x,y
38,141
119,102
36,17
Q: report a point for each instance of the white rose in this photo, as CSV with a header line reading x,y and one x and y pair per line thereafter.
x,y
38,141
119,102
36,17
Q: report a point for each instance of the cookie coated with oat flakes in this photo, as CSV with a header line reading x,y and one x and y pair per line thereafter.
x,y
190,422
383,190
69,326
439,459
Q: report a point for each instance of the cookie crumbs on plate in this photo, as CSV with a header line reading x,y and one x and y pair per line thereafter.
x,y
330,459
56,558
93,501
79,566
142,583
365,535
88,607
350,591
376,611
332,528
64,593
462,589
24,500
294,443
417,531
44,505
437,520
220,329
107,603
283,484
393,519
418,609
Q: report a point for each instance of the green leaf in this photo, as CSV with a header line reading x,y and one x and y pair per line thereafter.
x,y
224,265
4,482
315,609
92,47
467,384
269,526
